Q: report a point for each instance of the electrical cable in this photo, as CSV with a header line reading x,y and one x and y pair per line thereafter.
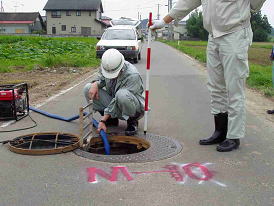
x,y
54,116
26,128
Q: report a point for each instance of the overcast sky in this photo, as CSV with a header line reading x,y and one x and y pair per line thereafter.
x,y
118,8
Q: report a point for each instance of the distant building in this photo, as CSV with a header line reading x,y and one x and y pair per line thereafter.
x,y
75,17
106,20
21,23
180,31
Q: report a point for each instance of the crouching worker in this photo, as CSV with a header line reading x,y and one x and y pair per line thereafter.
x,y
117,92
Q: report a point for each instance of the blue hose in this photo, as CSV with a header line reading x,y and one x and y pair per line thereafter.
x,y
54,116
95,123
104,138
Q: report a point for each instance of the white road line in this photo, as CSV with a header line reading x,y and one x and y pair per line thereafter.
x,y
6,124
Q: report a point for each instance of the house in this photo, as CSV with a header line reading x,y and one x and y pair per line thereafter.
x,y
75,17
180,31
21,22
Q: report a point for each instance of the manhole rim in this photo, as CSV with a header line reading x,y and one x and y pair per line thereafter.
x,y
149,151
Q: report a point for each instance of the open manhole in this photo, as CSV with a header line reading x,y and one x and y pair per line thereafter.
x,y
119,145
141,148
44,143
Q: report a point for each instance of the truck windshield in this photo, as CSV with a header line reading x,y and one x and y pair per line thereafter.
x,y
119,34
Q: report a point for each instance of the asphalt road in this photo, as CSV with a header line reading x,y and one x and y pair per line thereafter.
x,y
180,109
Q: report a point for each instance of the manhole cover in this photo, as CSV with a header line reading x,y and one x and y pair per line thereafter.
x,y
141,148
44,143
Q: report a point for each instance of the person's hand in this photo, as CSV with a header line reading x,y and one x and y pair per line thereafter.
x,y
157,24
93,92
102,126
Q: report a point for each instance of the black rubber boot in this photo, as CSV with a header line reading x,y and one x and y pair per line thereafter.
x,y
228,145
132,125
220,132
112,121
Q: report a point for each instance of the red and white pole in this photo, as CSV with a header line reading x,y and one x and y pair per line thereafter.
x,y
147,73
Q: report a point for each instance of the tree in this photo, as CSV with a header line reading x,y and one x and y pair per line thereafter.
x,y
194,26
260,26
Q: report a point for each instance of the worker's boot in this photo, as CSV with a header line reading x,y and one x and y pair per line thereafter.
x,y
132,125
110,122
228,145
220,132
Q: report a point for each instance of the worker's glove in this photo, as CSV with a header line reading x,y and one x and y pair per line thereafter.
x,y
102,126
157,24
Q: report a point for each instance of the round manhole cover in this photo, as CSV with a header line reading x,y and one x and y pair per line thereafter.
x,y
141,148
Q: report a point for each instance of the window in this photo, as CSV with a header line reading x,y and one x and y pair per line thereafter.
x,y
73,29
68,13
64,27
2,30
78,13
56,14
119,34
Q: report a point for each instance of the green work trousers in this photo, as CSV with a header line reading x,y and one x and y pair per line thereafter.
x,y
227,66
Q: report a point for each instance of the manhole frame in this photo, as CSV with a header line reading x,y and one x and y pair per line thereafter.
x,y
153,153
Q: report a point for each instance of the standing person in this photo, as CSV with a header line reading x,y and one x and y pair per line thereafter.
x,y
117,92
230,35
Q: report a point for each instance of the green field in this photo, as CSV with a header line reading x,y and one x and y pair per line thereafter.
x,y
260,65
26,53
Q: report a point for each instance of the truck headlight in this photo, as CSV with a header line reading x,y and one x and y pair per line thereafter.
x,y
100,48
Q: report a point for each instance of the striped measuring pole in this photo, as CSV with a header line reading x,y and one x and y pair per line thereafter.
x,y
147,73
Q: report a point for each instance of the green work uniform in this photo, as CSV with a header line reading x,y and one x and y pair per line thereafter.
x,y
121,97
230,35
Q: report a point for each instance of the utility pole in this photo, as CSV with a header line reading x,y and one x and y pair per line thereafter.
x,y
158,14
170,26
2,7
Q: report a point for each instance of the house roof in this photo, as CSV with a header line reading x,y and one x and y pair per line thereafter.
x,y
16,22
87,5
19,17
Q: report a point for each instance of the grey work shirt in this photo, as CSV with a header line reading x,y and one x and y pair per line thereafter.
x,y
220,17
129,79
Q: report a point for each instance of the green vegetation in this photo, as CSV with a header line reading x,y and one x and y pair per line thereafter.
x,y
260,27
260,65
26,53
194,26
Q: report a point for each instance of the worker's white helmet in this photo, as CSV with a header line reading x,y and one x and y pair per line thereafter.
x,y
112,63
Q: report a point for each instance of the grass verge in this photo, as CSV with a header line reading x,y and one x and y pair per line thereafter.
x,y
25,53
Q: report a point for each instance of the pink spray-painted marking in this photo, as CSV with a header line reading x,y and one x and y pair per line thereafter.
x,y
177,172
189,171
113,177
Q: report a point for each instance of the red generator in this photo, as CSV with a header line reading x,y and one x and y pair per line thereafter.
x,y
14,101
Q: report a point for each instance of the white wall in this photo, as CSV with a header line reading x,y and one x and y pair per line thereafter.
x,y
11,28
74,21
